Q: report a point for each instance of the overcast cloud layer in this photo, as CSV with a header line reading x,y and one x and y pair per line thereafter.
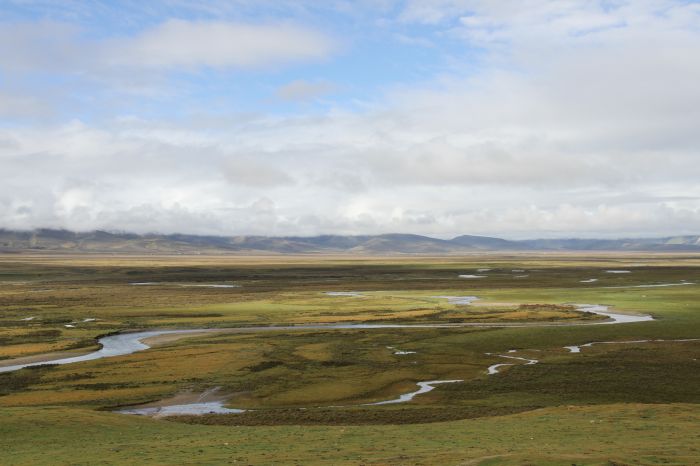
x,y
525,118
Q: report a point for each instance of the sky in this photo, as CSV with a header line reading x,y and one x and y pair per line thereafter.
x,y
510,118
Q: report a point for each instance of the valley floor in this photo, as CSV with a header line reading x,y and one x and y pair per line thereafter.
x,y
627,394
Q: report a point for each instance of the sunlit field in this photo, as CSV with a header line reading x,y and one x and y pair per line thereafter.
x,y
308,392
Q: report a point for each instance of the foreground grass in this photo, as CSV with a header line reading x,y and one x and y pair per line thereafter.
x,y
604,435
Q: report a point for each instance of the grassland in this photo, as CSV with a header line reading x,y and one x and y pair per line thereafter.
x,y
628,403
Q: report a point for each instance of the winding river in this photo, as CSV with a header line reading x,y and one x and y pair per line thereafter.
x,y
127,343
577,348
495,368
424,387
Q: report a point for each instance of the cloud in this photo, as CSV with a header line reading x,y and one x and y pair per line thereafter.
x,y
218,44
175,43
54,70
247,171
301,90
21,106
575,118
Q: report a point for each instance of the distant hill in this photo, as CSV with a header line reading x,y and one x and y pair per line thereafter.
x,y
107,242
673,243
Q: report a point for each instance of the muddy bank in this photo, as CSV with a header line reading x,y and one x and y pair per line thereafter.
x,y
193,404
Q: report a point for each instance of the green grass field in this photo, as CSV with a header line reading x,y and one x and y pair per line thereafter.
x,y
634,403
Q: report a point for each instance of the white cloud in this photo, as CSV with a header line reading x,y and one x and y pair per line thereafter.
x,y
179,43
175,43
579,119
246,171
43,45
302,90
17,105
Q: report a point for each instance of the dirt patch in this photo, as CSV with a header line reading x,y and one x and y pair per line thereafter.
x,y
170,337
188,397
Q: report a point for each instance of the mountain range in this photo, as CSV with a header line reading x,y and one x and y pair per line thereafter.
x,y
50,240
